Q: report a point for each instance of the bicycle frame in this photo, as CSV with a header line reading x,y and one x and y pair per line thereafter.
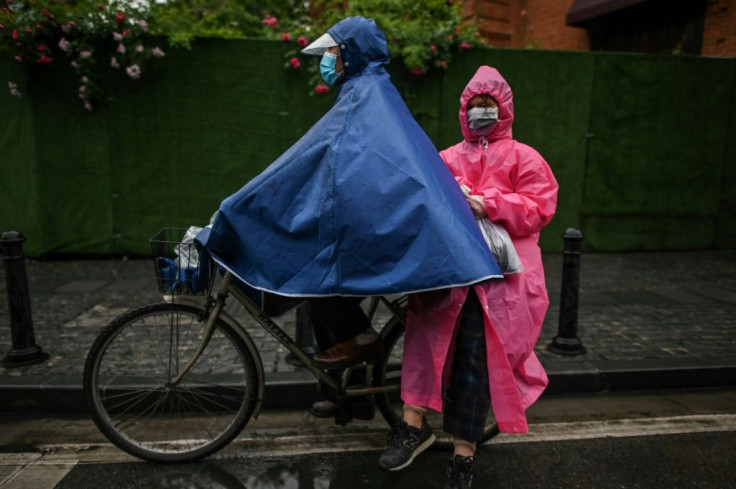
x,y
228,288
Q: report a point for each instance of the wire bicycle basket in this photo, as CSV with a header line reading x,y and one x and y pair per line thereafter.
x,y
182,266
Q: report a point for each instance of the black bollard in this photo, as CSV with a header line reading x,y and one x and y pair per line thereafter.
x,y
304,336
25,351
567,342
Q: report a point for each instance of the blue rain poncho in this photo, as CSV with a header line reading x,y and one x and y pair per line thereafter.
x,y
361,205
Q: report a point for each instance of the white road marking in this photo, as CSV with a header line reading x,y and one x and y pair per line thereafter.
x,y
283,442
619,428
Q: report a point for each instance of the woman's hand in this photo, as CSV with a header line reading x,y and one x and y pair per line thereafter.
x,y
477,205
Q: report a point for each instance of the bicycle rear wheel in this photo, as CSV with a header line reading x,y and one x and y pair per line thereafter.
x,y
127,382
388,373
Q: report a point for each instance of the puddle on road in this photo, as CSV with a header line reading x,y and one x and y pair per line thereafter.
x,y
322,471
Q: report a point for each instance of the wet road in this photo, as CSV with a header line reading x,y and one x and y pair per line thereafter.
x,y
703,460
641,440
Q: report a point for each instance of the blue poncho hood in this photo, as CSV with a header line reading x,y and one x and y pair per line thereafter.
x,y
361,205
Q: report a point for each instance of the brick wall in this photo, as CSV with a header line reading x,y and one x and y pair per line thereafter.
x,y
543,26
719,36
494,19
525,23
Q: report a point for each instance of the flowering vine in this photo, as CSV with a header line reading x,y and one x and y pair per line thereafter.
x,y
423,34
48,32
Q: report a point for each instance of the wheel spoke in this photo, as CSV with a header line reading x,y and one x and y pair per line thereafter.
x,y
127,381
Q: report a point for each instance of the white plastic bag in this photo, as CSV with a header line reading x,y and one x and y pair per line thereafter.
x,y
500,244
187,251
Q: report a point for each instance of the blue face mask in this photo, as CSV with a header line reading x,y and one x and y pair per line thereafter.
x,y
328,68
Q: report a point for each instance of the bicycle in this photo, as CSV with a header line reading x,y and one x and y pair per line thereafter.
x,y
202,377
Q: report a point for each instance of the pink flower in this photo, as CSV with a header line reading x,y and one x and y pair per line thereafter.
x,y
117,37
523,13
18,59
66,28
443,63
82,89
270,21
143,25
88,105
44,60
133,71
41,48
295,63
120,16
127,32
433,48
321,88
302,41
114,62
64,44
286,36
157,52
85,79
121,48
14,35
417,71
2,27
85,54
139,48
74,64
465,46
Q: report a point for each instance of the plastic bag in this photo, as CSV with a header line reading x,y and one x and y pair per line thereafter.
x,y
502,247
187,251
185,273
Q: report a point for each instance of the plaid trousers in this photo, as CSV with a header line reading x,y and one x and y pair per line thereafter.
x,y
465,391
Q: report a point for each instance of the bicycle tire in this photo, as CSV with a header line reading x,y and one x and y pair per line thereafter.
x,y
388,373
126,384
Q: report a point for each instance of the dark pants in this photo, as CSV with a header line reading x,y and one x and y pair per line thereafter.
x,y
337,319
465,391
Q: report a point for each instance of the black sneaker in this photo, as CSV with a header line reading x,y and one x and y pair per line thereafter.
x,y
404,444
460,473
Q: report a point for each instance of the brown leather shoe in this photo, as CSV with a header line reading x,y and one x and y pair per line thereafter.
x,y
349,353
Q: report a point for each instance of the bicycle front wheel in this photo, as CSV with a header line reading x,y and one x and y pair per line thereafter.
x,y
127,382
388,374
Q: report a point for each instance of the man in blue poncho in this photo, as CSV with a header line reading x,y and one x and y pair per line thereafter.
x,y
361,205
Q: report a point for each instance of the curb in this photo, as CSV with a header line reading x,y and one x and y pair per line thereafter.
x,y
607,375
298,390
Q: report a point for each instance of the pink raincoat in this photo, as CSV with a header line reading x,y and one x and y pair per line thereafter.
x,y
520,193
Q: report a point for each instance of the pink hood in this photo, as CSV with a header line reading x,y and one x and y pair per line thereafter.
x,y
488,80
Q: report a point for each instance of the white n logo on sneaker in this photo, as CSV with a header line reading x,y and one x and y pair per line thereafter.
x,y
411,442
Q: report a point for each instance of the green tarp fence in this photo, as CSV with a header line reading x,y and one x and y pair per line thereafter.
x,y
644,147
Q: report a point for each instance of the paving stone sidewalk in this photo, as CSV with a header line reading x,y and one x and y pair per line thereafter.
x,y
646,319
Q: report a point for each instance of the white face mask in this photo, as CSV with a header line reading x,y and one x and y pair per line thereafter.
x,y
481,119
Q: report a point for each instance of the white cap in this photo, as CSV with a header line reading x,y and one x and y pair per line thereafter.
x,y
319,46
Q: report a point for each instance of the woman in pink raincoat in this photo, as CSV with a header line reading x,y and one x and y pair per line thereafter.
x,y
468,348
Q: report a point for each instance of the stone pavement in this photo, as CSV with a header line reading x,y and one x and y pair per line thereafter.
x,y
647,320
